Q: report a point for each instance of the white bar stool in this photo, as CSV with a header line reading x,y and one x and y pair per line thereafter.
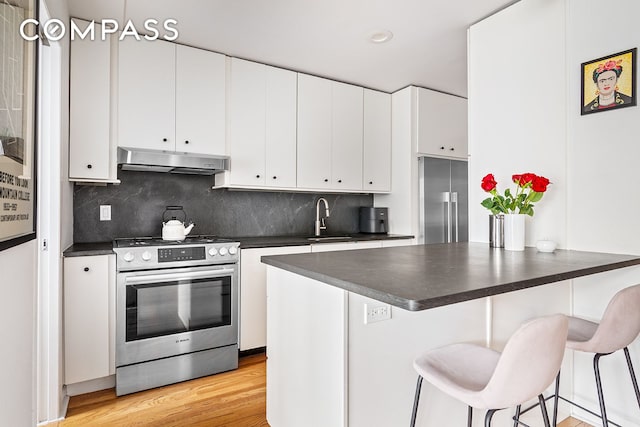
x,y
619,327
485,379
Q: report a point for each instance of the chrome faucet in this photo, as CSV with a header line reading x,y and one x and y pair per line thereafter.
x,y
320,225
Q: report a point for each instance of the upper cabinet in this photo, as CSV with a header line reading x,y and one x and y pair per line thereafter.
x,y
170,97
91,149
261,126
330,129
441,124
377,142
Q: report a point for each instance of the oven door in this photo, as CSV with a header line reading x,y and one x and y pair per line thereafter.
x,y
163,313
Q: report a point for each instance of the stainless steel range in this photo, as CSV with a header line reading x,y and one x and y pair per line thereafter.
x,y
176,310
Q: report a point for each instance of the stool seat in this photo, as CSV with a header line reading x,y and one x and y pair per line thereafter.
x,y
581,332
486,379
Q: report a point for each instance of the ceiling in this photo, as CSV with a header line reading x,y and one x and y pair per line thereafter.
x,y
328,38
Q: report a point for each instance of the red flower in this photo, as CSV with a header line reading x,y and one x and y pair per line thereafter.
x,y
523,179
539,184
608,66
488,183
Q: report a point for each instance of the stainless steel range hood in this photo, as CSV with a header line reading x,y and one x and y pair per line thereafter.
x,y
138,159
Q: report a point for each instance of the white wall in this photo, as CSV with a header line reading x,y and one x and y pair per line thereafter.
x,y
517,111
591,160
17,317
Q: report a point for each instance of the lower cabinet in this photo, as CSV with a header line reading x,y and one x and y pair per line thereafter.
x,y
89,317
253,294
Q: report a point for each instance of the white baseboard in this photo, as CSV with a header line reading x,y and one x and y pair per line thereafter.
x,y
91,386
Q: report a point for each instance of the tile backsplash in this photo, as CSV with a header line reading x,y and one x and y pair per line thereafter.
x,y
137,205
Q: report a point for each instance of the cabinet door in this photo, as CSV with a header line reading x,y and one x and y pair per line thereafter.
x,y
247,123
280,130
377,141
87,331
346,146
441,124
200,101
314,132
346,246
146,94
89,104
253,294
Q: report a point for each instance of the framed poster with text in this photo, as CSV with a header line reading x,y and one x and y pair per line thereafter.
x,y
17,126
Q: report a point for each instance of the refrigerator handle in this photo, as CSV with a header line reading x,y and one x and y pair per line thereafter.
x,y
454,199
446,196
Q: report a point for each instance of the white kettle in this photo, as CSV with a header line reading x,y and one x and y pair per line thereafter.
x,y
174,229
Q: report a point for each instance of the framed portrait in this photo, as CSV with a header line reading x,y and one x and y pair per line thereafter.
x,y
18,59
609,83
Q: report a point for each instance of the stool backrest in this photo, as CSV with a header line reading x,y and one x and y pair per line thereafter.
x,y
529,363
620,323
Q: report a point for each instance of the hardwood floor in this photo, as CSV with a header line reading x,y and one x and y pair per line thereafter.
x,y
231,399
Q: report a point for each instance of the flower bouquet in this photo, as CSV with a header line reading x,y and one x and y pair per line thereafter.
x,y
529,190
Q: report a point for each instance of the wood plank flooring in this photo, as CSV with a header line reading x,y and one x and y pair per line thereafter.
x,y
231,399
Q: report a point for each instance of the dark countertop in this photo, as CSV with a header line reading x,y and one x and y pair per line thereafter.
x,y
427,276
89,249
105,248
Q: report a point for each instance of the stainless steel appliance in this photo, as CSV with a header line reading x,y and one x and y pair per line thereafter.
x,y
374,220
176,310
139,159
444,201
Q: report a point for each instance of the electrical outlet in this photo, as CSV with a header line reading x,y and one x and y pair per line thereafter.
x,y
376,313
105,212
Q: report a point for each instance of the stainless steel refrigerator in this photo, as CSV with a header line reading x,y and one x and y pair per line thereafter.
x,y
444,201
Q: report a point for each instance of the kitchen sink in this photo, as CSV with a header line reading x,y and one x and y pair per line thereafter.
x,y
324,238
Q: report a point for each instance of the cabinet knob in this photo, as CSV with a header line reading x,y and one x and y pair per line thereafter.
x,y
186,142
442,148
339,181
326,180
452,149
370,182
164,139
89,166
275,177
257,176
86,269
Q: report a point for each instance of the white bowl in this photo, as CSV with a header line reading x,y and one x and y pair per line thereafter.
x,y
546,245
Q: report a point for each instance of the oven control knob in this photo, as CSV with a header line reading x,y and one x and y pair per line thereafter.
x,y
233,250
128,257
223,251
213,252
146,255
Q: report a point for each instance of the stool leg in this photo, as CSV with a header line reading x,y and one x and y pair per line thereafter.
x,y
470,417
555,401
516,418
596,370
415,401
487,418
634,380
543,408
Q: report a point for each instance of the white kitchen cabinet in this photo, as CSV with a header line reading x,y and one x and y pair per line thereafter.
x,y
314,132
146,94
398,242
330,116
200,101
345,246
346,142
377,142
170,97
253,293
262,126
89,317
91,152
440,124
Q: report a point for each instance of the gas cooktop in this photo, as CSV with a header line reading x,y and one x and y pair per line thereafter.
x,y
157,241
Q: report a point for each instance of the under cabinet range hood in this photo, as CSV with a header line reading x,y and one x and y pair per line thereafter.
x,y
138,159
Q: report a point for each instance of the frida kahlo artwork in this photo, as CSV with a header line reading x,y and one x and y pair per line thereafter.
x,y
609,82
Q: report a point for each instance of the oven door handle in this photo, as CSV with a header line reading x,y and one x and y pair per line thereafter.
x,y
173,277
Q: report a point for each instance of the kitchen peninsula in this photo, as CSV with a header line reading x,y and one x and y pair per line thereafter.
x,y
329,363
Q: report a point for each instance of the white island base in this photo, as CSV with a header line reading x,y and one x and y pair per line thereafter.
x,y
327,368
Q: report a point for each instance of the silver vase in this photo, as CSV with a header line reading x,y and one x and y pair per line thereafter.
x,y
496,231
